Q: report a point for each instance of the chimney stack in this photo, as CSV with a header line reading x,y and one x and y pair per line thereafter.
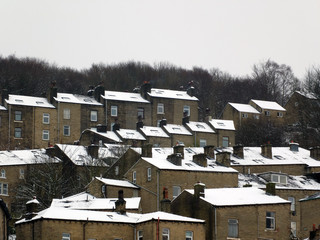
x,y
238,151
266,150
199,190
175,159
179,149
315,152
294,147
165,202
139,124
223,158
101,128
185,118
200,159
93,151
98,91
32,208
116,125
163,122
271,188
209,151
145,89
120,203
52,92
146,150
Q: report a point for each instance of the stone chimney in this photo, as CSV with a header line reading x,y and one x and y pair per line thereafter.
x,y
223,158
200,159
271,188
266,150
32,208
294,147
101,128
51,151
163,122
4,95
93,151
98,91
238,151
165,202
185,118
179,149
209,151
146,150
52,92
116,125
175,159
315,153
139,124
199,190
120,203
145,89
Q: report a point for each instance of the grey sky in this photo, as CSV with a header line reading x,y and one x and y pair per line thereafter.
x,y
231,35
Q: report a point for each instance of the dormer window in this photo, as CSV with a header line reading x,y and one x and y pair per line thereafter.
x,y
277,178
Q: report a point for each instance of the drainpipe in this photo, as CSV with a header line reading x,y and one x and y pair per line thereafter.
x,y
58,122
134,231
34,128
158,189
215,223
106,113
84,229
9,130
257,222
158,228
195,139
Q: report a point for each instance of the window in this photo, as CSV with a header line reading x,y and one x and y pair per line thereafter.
x,y
0,121
233,228
294,228
244,115
165,234
116,170
160,108
270,220
3,173
256,116
140,235
3,188
114,111
158,123
66,236
104,190
293,203
267,113
134,177
45,135
141,113
94,116
17,132
66,130
225,141
279,179
189,235
203,142
21,173
66,113
46,118
17,115
279,114
176,191
149,174
186,109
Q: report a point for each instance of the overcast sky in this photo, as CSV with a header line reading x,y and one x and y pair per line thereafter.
x,y
231,35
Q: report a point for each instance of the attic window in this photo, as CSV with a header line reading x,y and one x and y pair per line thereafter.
x,y
130,133
176,129
276,178
39,102
179,94
159,92
189,150
67,98
18,100
189,164
200,126
87,100
221,124
133,97
110,216
111,95
154,131
279,157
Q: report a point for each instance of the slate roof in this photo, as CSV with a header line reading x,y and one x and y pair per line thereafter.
x,y
75,98
200,127
28,101
220,124
246,108
268,105
176,129
124,96
174,94
153,132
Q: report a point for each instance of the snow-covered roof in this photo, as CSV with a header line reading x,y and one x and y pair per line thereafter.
x,y
124,96
118,183
238,196
268,105
85,201
280,156
130,134
28,101
220,124
79,154
200,127
246,108
293,182
23,157
107,217
159,160
166,93
2,108
109,134
307,95
75,98
176,129
311,197
153,131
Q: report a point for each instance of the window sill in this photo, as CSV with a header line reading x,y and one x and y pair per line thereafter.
x,y
17,138
16,121
270,230
1,194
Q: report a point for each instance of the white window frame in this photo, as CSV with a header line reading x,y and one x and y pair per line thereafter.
x,y
279,114
186,108
114,111
225,139
66,113
270,220
293,203
277,178
189,235
66,236
244,115
3,173
233,228
18,116
45,135
165,234
4,189
65,127
160,108
294,228
202,142
18,132
140,235
21,173
139,111
46,118
94,116
176,190
149,174
134,176
267,113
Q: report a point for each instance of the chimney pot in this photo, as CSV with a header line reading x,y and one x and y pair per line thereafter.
x,y
120,203
199,190
179,149
315,152
294,147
